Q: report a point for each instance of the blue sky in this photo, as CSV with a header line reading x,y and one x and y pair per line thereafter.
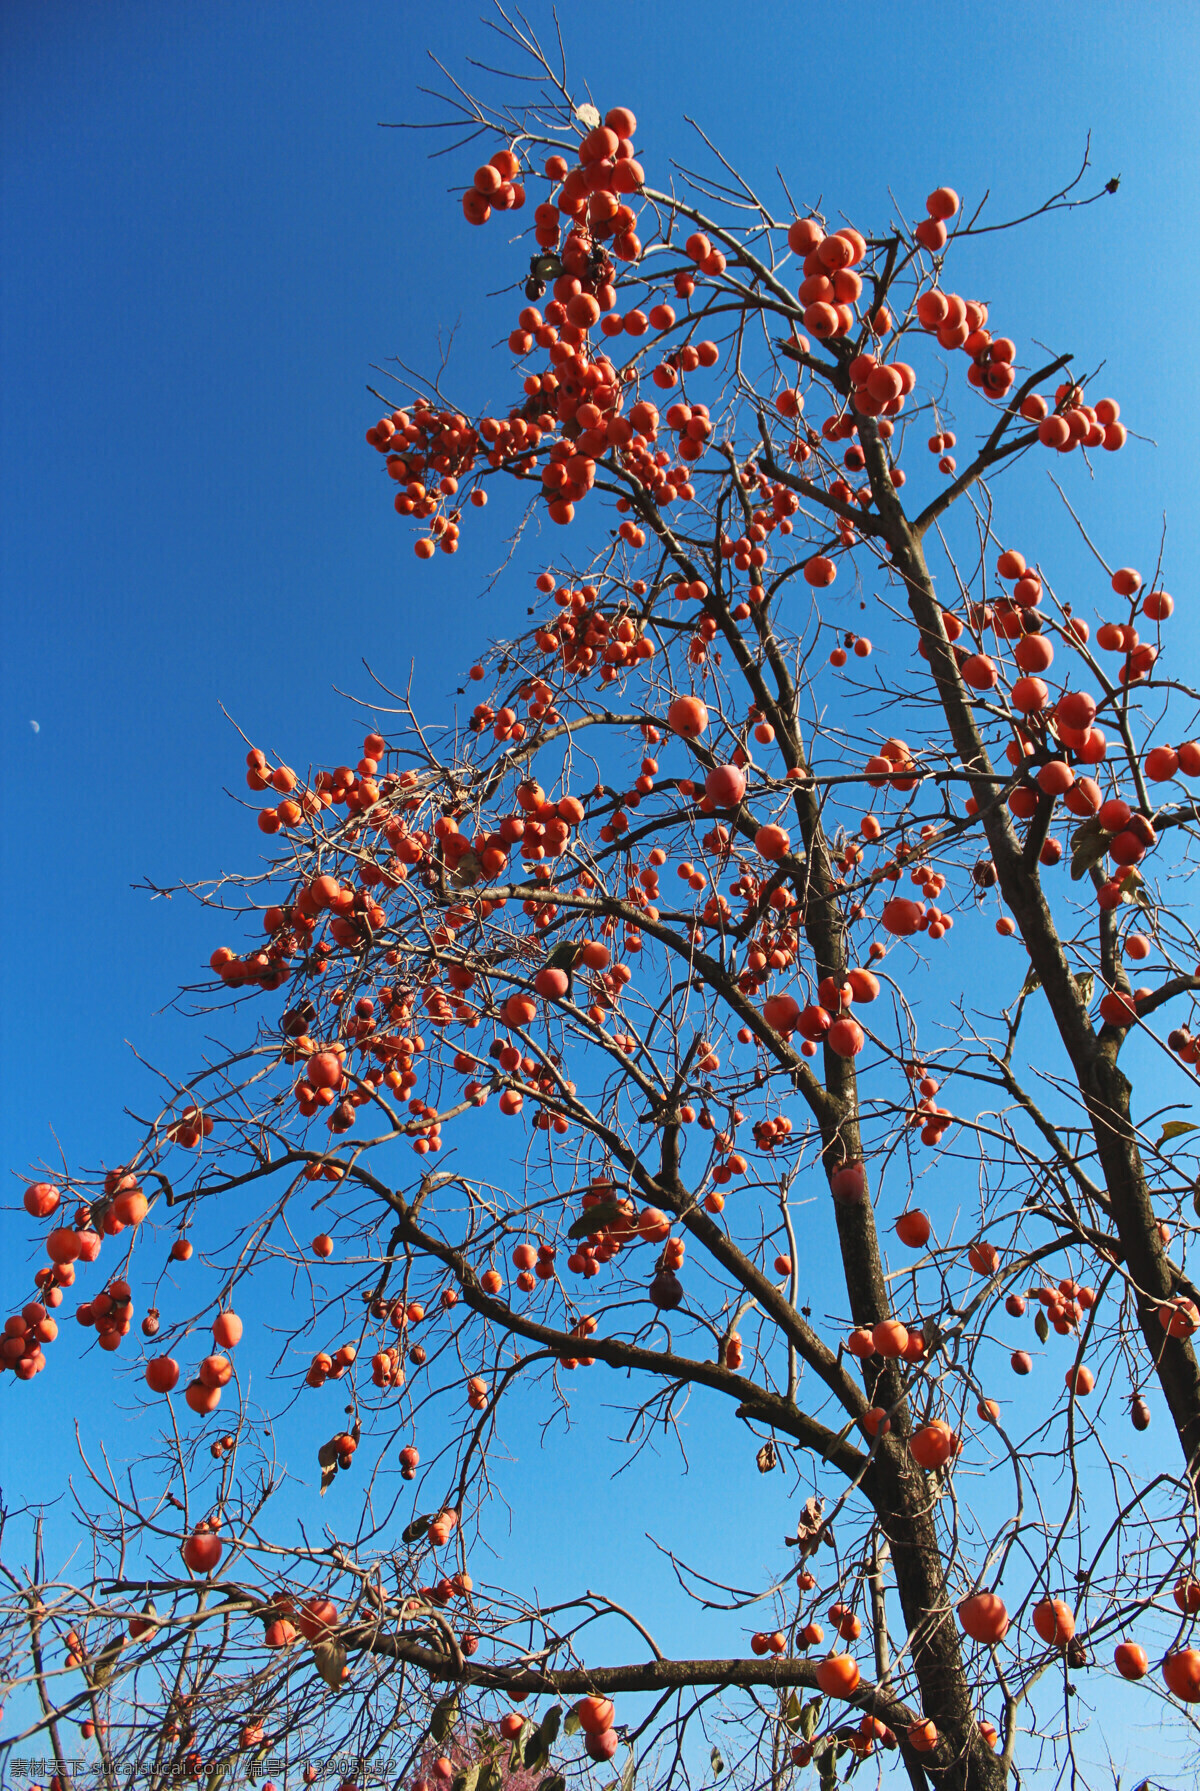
x,y
207,242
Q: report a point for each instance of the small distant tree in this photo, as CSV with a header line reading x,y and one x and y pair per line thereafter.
x,y
742,928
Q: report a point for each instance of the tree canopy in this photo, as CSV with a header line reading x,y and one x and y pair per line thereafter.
x,y
708,940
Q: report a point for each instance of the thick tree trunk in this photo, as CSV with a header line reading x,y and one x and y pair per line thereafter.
x,y
901,1492
902,1495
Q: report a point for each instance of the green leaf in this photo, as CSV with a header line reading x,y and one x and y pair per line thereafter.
x,y
327,1456
1175,1128
216,1778
1041,1325
718,1765
570,1724
553,1782
1089,843
1085,984
492,1776
330,1660
809,1718
827,1768
467,1781
630,1772
605,1212
1133,887
444,1717
467,871
99,1671
537,1748
414,1531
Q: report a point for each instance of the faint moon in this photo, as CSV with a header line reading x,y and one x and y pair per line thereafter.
x,y
36,726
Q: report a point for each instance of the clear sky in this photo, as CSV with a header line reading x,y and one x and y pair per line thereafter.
x,y
207,242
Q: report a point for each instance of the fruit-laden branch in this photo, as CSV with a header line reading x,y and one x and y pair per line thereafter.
x,y
1105,1090
760,1402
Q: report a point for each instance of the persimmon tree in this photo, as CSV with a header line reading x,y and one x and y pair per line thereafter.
x,y
738,944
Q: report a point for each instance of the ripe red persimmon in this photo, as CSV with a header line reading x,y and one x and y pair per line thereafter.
x,y
913,1229
1054,1622
203,1550
595,1715
1131,1660
984,1617
1181,1671
838,1676
933,1444
162,1374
